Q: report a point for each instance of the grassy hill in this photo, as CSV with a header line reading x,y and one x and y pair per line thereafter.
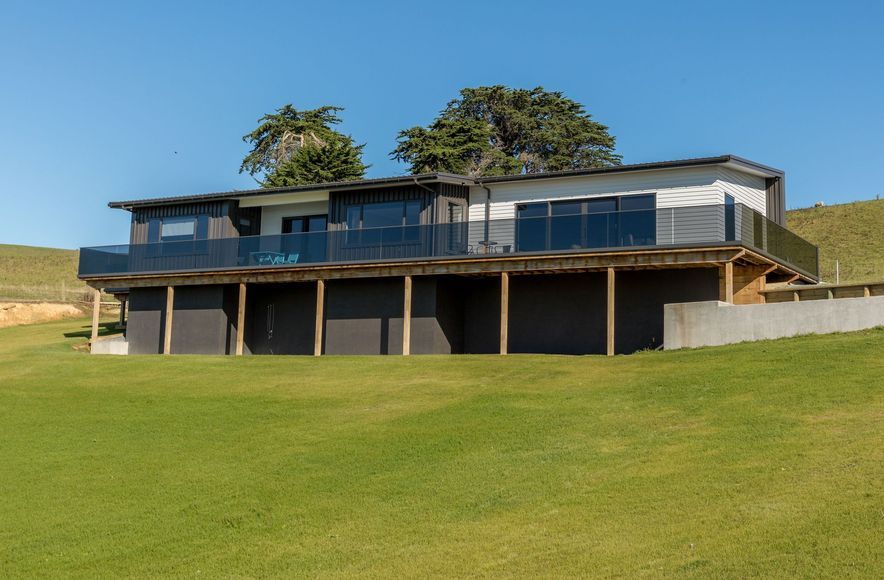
x,y
850,233
762,459
28,272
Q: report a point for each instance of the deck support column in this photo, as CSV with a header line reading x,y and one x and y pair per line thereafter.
x,y
504,312
610,325
320,315
726,282
796,296
866,292
167,330
96,312
241,319
406,319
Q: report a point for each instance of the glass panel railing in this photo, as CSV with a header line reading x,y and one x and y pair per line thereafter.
x,y
682,226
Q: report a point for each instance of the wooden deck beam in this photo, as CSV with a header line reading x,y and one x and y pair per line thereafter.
x,y
241,319
406,319
167,329
504,312
320,315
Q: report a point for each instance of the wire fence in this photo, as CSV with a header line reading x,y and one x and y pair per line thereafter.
x,y
79,293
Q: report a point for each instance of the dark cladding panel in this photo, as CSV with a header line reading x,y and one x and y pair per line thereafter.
x,y
200,323
775,190
280,318
147,316
364,316
558,314
481,315
639,300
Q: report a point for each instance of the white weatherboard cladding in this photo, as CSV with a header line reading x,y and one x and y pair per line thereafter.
x,y
674,188
746,188
271,215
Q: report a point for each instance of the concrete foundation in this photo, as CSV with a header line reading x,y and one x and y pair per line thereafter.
x,y
112,345
716,323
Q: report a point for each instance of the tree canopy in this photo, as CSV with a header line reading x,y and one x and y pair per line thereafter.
x,y
498,131
292,147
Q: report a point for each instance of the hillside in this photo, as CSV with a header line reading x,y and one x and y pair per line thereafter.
x,y
852,233
754,460
31,273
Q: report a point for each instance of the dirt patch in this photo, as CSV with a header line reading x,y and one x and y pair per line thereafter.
x,y
16,313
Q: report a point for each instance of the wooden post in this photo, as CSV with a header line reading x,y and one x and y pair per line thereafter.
x,y
241,319
796,296
727,283
610,339
406,319
830,294
866,292
170,303
96,312
320,306
504,311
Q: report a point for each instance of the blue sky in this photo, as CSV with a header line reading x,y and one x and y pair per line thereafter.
x,y
97,97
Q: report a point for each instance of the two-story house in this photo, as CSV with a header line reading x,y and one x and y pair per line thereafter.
x,y
568,262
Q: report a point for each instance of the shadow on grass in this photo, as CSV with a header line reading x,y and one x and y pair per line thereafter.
x,y
104,329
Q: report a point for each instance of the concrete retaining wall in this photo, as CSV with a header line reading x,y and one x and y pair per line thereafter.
x,y
112,345
713,323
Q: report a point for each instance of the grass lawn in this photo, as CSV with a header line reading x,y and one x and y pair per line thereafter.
x,y
761,459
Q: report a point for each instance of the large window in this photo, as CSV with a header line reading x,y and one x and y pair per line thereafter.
x,y
399,220
587,223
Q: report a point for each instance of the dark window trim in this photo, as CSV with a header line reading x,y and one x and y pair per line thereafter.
x,y
306,219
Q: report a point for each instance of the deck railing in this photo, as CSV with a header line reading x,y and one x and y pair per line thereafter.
x,y
653,228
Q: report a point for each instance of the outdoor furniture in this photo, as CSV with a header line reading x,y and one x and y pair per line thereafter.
x,y
272,258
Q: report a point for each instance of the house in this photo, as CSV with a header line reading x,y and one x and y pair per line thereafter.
x,y
569,262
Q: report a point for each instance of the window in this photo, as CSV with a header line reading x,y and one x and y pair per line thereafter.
x,y
400,218
599,222
730,218
301,224
178,229
178,235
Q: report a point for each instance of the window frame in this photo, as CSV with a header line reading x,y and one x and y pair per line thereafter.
x,y
584,213
410,233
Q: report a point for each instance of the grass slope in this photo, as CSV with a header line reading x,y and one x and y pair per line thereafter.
x,y
850,233
28,272
761,459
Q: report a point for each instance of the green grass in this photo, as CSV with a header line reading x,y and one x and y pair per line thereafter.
x,y
762,459
31,273
850,233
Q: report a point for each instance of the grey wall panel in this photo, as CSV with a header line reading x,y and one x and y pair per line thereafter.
x,y
450,314
147,315
364,316
481,305
639,300
280,318
220,218
562,314
200,324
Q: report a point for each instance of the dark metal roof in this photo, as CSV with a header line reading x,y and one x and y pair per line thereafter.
x,y
237,194
696,162
446,178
